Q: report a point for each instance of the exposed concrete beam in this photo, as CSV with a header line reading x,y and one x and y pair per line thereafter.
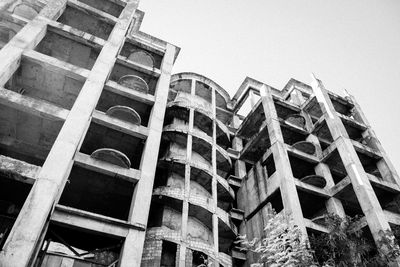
x,y
91,221
18,170
133,94
137,66
392,187
392,217
130,175
366,150
138,131
312,189
317,227
352,122
301,155
75,34
72,71
135,39
31,105
328,151
94,11
345,182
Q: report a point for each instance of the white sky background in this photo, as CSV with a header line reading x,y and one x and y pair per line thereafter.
x,y
352,44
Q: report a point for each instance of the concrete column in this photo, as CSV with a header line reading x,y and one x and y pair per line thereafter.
x,y
362,187
385,165
214,181
288,189
23,239
185,208
237,144
262,190
132,250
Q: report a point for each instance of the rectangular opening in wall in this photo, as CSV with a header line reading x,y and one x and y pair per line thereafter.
x,y
107,6
291,136
199,258
283,110
350,202
168,254
101,137
336,166
342,106
98,193
269,166
45,82
301,168
13,194
312,206
155,215
133,79
369,164
110,101
76,51
70,246
140,54
355,133
388,198
87,22
26,137
252,124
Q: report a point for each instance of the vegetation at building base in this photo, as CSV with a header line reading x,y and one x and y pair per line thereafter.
x,y
344,245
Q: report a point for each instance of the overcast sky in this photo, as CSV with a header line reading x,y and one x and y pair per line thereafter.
x,y
352,44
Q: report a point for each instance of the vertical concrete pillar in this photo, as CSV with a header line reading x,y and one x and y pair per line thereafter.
x,y
385,165
237,144
185,208
134,241
23,239
362,187
262,191
288,189
214,180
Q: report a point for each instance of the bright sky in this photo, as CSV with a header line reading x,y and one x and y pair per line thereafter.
x,y
352,44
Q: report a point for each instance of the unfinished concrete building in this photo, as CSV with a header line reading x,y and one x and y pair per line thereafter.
x,y
106,159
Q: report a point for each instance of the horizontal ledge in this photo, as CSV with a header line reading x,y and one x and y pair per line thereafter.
x,y
70,70
116,88
75,34
94,11
317,227
138,131
85,161
137,66
35,106
135,39
18,170
92,221
311,189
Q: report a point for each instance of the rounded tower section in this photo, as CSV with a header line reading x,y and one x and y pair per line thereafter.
x,y
190,220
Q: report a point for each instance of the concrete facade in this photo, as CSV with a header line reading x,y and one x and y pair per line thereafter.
x,y
107,159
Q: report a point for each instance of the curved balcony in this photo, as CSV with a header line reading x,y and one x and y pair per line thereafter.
x,y
201,144
222,97
200,173
164,233
179,108
203,207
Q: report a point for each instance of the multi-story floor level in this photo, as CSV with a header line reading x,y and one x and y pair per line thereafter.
x,y
108,160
